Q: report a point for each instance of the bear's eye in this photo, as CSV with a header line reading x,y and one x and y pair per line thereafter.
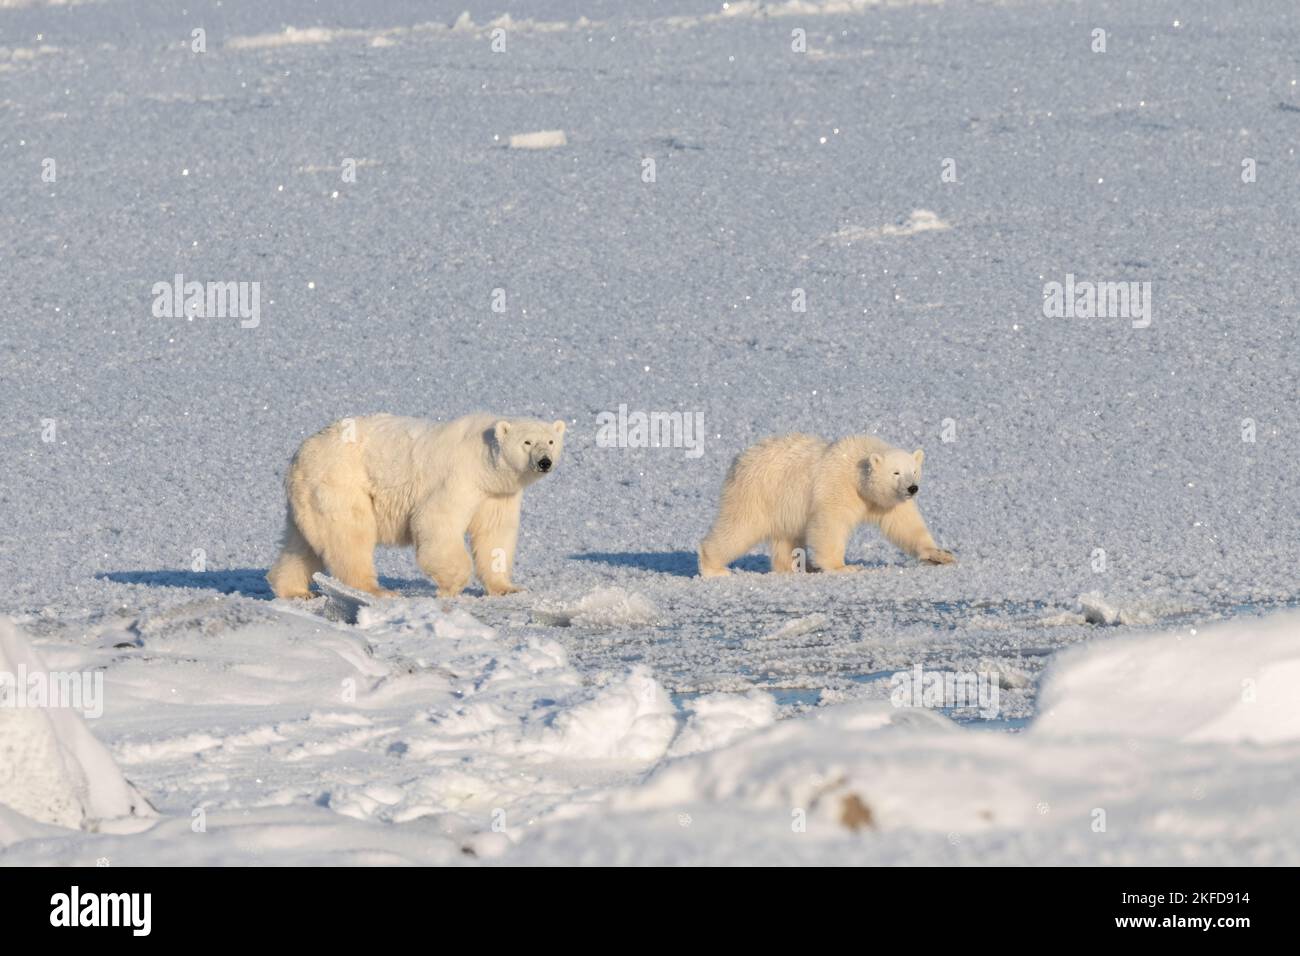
x,y
552,442
529,443
896,474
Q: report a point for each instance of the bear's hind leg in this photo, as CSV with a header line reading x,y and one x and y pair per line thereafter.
x,y
350,533
290,576
492,534
727,540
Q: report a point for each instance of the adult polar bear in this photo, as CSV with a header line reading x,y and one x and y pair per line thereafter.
x,y
797,491
382,479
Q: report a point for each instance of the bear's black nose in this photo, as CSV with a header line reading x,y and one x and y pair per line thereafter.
x,y
544,464
913,489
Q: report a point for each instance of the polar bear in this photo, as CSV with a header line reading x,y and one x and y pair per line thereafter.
x,y
801,492
382,479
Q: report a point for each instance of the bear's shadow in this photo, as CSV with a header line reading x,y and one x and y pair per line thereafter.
x,y
683,564
249,582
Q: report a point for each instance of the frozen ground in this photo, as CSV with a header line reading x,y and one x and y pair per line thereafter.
x,y
775,171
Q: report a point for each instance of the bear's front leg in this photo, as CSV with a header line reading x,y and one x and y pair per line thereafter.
x,y
937,556
493,532
440,550
828,536
906,529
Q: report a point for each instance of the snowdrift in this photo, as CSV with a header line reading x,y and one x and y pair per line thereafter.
x,y
52,769
1231,682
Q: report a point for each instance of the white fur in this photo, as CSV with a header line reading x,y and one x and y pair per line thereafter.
x,y
381,479
800,492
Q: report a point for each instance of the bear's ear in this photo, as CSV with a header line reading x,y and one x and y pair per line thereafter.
x,y
501,429
919,456
558,427
875,459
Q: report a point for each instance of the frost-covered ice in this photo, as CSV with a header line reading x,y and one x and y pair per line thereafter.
x,y
1097,482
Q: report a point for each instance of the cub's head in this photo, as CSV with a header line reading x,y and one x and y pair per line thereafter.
x,y
889,479
529,447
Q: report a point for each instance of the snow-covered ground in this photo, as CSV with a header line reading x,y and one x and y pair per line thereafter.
x,y
1108,489
420,735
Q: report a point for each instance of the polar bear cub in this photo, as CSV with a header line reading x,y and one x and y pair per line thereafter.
x,y
800,492
382,479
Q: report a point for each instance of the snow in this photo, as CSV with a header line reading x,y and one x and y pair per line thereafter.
x,y
1227,683
1101,485
291,36
1175,770
602,608
52,768
716,720
488,744
920,220
1098,610
542,139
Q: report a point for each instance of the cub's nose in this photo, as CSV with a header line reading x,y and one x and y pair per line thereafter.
x,y
913,489
544,464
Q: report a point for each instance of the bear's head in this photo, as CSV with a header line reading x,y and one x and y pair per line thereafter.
x,y
888,479
529,447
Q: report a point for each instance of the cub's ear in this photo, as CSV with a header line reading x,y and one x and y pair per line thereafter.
x,y
558,427
875,459
919,456
501,429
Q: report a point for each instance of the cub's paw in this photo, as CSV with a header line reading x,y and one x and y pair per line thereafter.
x,y
707,572
385,593
842,569
938,556
497,590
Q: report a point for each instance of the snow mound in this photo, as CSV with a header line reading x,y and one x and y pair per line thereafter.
x,y
1097,609
719,719
604,607
1234,681
763,9
290,36
809,624
800,763
921,220
633,719
543,139
52,769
